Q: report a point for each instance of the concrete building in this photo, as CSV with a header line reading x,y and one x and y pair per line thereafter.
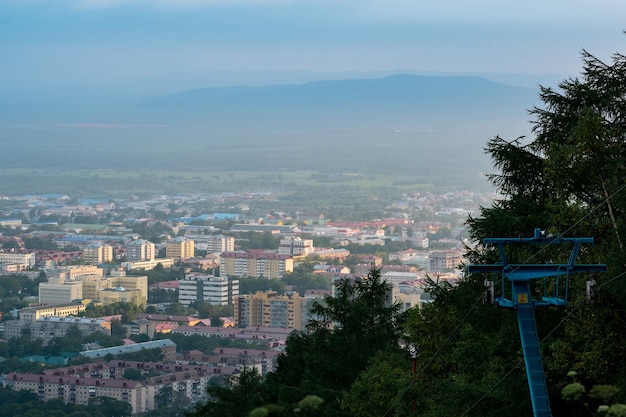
x,y
268,309
47,328
35,312
120,294
213,243
296,246
96,254
268,265
149,264
167,347
113,288
80,384
70,273
445,260
140,250
60,293
179,248
207,289
21,260
73,390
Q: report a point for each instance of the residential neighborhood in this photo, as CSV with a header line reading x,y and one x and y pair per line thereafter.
x,y
138,281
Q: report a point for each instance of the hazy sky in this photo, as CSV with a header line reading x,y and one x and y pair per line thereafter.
x,y
93,41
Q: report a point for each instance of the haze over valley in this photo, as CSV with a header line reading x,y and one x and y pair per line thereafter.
x,y
413,129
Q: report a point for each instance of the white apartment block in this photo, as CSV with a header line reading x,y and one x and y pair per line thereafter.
x,y
207,289
22,260
296,246
213,243
97,254
140,250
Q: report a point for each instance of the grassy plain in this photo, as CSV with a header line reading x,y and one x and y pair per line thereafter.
x,y
107,183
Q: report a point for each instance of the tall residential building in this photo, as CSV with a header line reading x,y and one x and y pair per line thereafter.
x,y
267,309
296,246
445,260
207,289
96,254
179,248
140,250
268,265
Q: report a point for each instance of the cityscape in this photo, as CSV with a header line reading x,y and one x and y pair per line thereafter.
x,y
85,254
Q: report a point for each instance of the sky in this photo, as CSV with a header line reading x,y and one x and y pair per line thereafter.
x,y
81,42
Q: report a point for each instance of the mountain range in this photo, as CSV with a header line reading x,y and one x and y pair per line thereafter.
x,y
407,125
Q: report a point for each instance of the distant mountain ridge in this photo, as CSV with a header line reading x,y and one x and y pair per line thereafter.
x,y
400,92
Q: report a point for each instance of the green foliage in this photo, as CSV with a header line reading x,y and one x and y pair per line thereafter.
x,y
252,285
320,364
302,282
309,405
257,240
573,391
26,403
616,410
568,180
235,401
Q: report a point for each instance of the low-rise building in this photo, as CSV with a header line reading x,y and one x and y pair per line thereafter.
x,y
20,260
47,328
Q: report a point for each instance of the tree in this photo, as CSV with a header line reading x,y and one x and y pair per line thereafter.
x,y
235,401
568,179
346,334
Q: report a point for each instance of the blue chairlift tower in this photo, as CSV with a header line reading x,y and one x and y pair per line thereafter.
x,y
519,277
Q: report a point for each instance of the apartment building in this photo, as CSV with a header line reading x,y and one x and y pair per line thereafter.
x,y
268,309
140,250
213,243
73,390
47,328
80,384
97,253
445,260
207,289
268,265
179,248
296,246
21,260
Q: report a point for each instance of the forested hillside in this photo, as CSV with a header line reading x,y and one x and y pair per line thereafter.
x,y
568,180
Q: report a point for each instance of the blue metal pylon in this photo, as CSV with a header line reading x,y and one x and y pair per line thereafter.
x,y
519,275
